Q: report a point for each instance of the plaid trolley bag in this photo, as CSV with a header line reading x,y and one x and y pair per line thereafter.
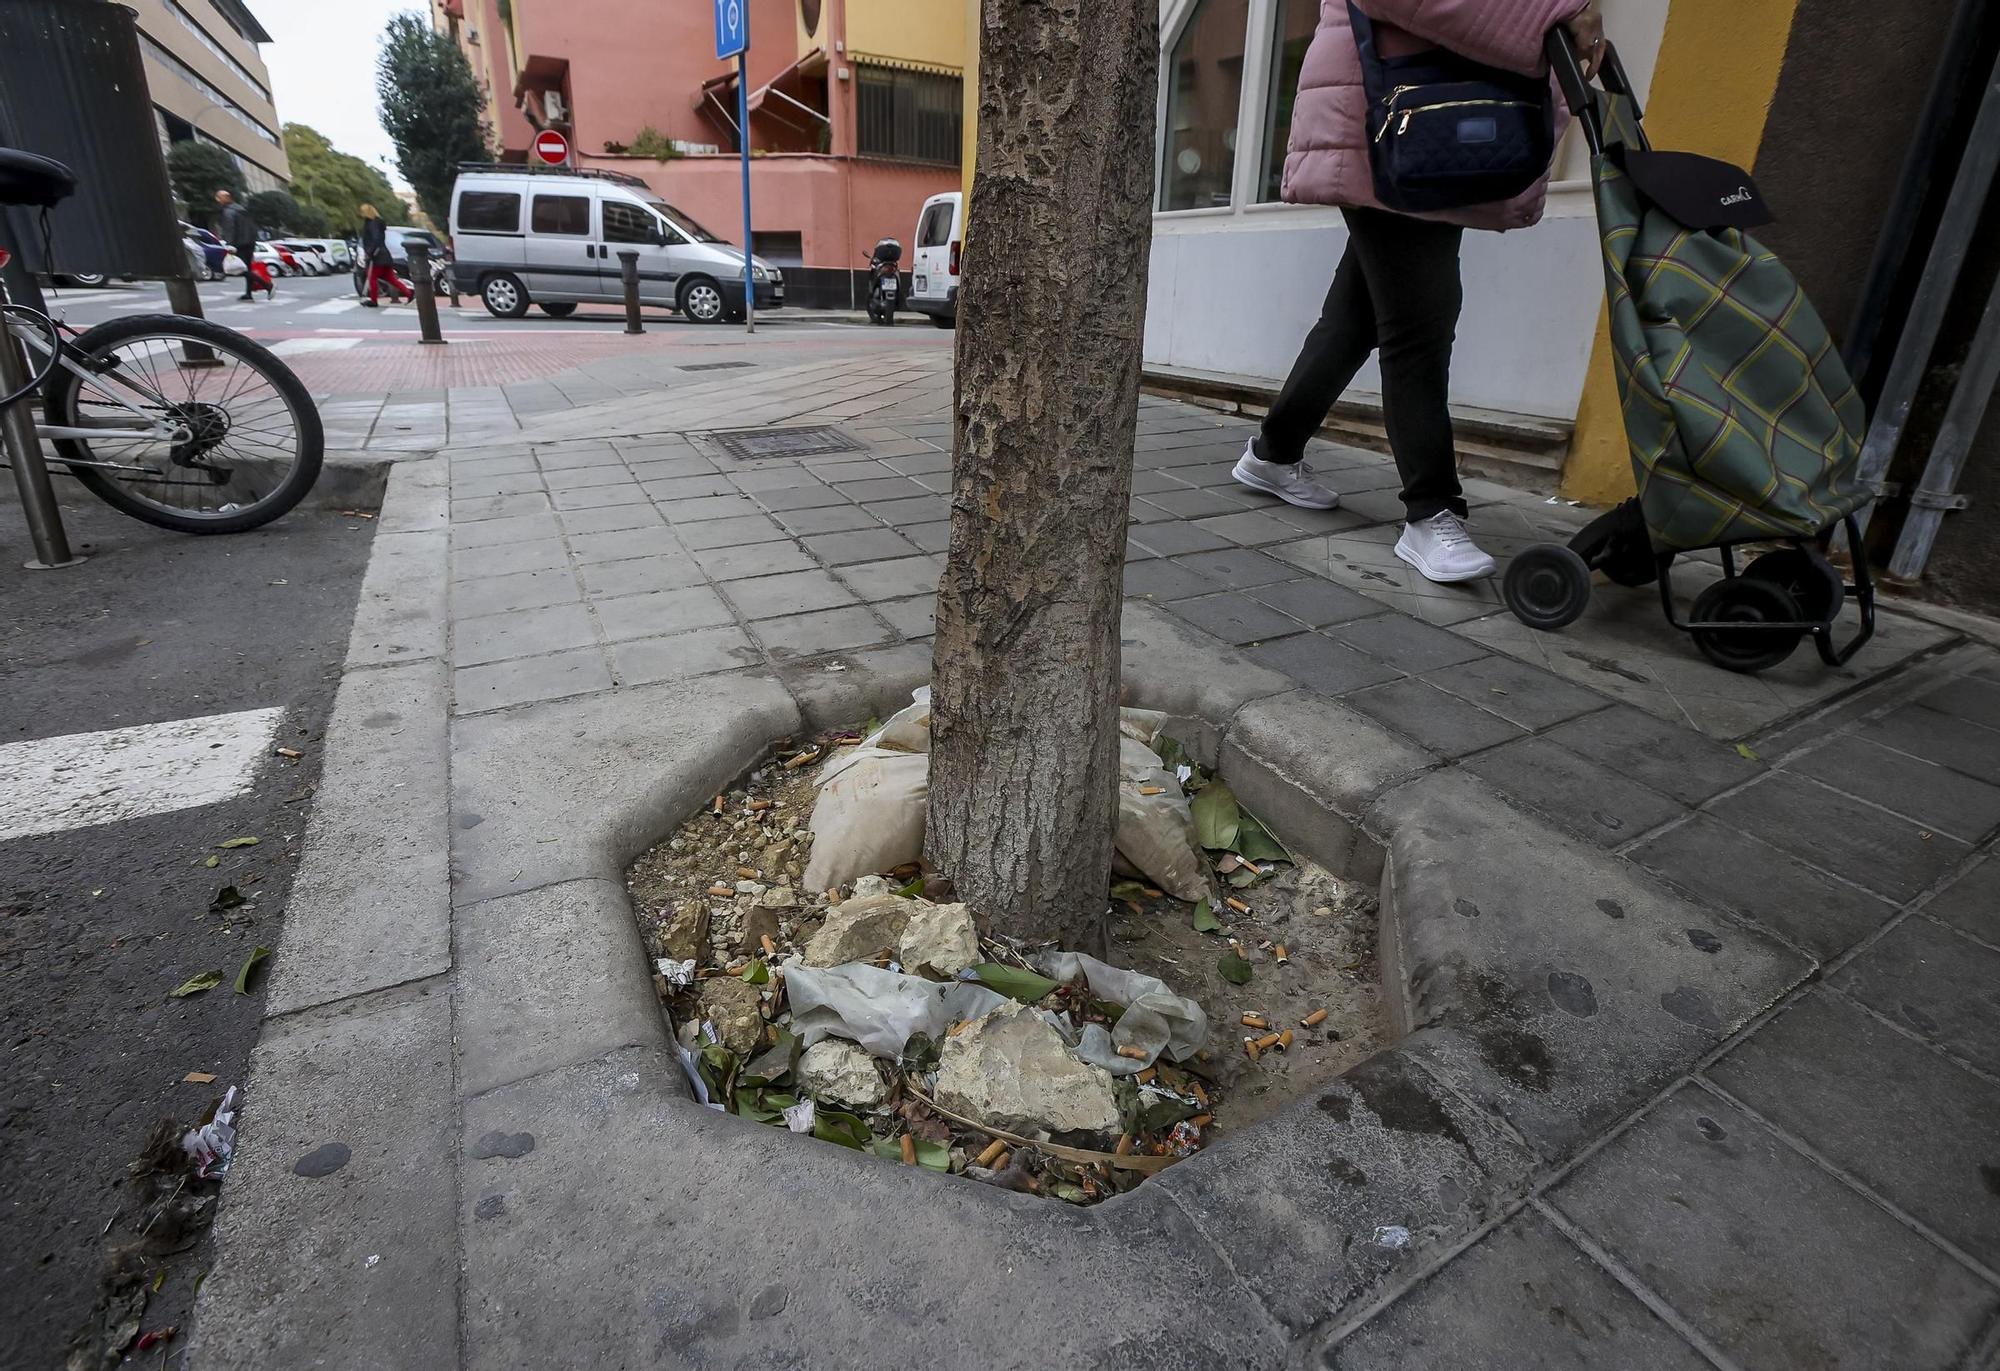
x,y
1743,422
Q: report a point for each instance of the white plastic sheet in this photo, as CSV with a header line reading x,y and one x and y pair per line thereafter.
x,y
876,1009
1155,1021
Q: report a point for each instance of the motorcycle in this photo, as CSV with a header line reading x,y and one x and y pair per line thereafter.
x,y
885,281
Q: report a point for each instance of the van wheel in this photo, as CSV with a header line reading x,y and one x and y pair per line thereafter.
x,y
560,309
505,296
701,301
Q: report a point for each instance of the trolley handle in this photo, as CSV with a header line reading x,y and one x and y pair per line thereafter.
x,y
1582,100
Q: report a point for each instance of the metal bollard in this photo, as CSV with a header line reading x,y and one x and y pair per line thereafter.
x,y
628,271
24,453
427,305
183,298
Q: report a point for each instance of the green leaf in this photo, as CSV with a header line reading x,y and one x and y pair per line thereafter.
x,y
756,1113
1015,982
933,1156
1243,876
1157,1113
756,973
1066,1190
194,985
913,891
1747,753
213,861
238,842
1127,890
250,965
832,1126
1216,816
1205,920
229,897
1233,968
1172,754
1254,841
774,1063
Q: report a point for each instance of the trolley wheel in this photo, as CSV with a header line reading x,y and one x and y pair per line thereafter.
x,y
1748,602
1547,586
1811,579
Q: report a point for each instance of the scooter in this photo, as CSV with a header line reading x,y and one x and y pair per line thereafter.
x,y
885,281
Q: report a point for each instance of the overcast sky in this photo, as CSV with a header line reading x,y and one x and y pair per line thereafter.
x,y
322,61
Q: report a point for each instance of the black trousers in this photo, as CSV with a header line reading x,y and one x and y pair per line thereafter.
x,y
1397,290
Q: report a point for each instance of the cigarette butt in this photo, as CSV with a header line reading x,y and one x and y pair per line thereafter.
x,y
1152,790
720,891
958,1028
994,1150
1237,905
833,896
1124,1147
735,968
1202,1120
716,808
1283,956
1285,1041
1314,1019
1200,1094
199,1078
291,752
1269,1041
771,950
1250,866
1146,1076
746,873
1151,893
1236,947
909,1150
759,806
793,764
1250,1048
1136,1054
1251,1020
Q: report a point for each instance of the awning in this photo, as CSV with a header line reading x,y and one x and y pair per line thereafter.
x,y
718,95
869,59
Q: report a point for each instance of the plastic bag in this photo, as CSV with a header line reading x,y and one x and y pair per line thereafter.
x,y
869,815
1155,1020
909,728
1156,832
876,1009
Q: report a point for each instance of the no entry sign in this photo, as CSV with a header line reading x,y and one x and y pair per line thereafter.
x,y
552,147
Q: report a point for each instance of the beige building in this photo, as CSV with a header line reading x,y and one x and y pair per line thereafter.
x,y
208,81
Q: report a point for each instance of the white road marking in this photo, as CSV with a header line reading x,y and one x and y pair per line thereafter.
x,y
340,306
291,345
79,780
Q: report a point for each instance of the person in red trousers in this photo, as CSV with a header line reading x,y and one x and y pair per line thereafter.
x,y
375,252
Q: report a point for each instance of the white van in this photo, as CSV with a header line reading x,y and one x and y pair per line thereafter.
x,y
934,269
552,238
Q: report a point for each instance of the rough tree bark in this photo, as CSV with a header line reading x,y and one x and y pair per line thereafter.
x,y
1052,302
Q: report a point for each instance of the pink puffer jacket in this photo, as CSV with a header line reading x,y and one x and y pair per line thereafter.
x,y
1327,163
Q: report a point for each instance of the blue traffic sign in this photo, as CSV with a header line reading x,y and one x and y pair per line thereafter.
x,y
732,27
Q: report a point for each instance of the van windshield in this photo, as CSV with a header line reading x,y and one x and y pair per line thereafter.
x,y
693,229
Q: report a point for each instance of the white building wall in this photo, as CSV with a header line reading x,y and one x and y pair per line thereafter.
x,y
1234,290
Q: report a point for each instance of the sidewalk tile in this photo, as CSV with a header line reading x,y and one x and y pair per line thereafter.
x,y
610,519
1674,761
517,590
477,563
723,506
520,633
929,537
840,518
1172,537
1778,1263
844,470
1320,664
1443,723
660,612
464,465
893,579
583,478
676,488
1520,1297
1940,983
597,497
1942,738
758,559
740,531
828,630
881,489
1315,603
585,548
489,532
1156,482
1578,794
772,477
801,497
701,652
499,507
1935,796
1402,641
1515,691
1251,528
571,456
1890,856
1972,904
913,618
926,509
501,684
792,592
653,470
1238,568
866,545
1167,580
1903,1120
1969,698
479,486
1235,618
641,574
1198,504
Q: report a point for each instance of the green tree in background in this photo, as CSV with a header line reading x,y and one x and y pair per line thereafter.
x,y
275,211
334,185
430,106
197,170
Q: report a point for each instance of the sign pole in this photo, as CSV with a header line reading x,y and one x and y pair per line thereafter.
x,y
743,140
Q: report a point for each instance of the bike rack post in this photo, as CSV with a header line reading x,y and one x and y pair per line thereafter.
x,y
183,298
24,455
628,271
427,305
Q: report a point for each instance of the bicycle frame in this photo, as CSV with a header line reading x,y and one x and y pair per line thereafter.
x,y
158,430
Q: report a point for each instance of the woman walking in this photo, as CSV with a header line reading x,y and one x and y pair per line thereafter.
x,y
375,252
1397,289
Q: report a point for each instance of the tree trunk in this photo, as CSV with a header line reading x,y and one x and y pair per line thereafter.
x,y
1052,303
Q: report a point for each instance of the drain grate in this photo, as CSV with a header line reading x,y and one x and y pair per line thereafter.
x,y
715,366
760,444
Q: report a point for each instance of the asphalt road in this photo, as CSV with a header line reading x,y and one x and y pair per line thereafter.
x,y
105,891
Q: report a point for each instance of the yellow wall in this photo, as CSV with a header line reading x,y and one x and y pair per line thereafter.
x,y
971,120
928,31
1712,91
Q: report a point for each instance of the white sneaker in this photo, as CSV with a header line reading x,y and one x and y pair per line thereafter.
x,y
1294,484
1442,550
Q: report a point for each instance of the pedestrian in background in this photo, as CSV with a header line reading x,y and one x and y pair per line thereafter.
x,y
235,227
1397,289
375,252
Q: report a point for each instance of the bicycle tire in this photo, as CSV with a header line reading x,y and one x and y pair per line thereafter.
x,y
61,396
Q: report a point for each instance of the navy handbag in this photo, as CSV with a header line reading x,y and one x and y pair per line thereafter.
x,y
1445,131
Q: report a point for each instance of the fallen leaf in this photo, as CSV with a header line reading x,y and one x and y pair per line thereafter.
x,y
1015,982
1255,841
757,973
198,1078
250,963
1216,816
1748,754
238,842
194,985
830,1125
1234,969
229,897
213,861
1205,920
913,891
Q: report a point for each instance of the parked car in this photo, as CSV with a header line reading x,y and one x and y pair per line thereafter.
x,y
287,261
934,268
552,239
215,256
338,254
310,255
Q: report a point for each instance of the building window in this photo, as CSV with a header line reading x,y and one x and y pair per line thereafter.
x,y
1204,91
566,214
911,116
208,92
189,22
1290,37
489,211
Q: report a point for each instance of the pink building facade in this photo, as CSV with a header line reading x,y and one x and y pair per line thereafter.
x,y
855,108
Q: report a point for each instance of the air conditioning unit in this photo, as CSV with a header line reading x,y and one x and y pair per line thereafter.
x,y
553,103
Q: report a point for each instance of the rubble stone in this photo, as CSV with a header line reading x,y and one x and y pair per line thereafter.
x,y
780,897
736,1009
1011,1070
939,937
834,1071
869,886
757,924
858,929
684,934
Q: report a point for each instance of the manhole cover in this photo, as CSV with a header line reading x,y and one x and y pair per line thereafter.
x,y
756,444
715,366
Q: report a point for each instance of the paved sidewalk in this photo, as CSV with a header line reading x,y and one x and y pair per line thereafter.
x,y
1703,1065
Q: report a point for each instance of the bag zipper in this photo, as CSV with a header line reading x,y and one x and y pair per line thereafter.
x,y
1404,126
